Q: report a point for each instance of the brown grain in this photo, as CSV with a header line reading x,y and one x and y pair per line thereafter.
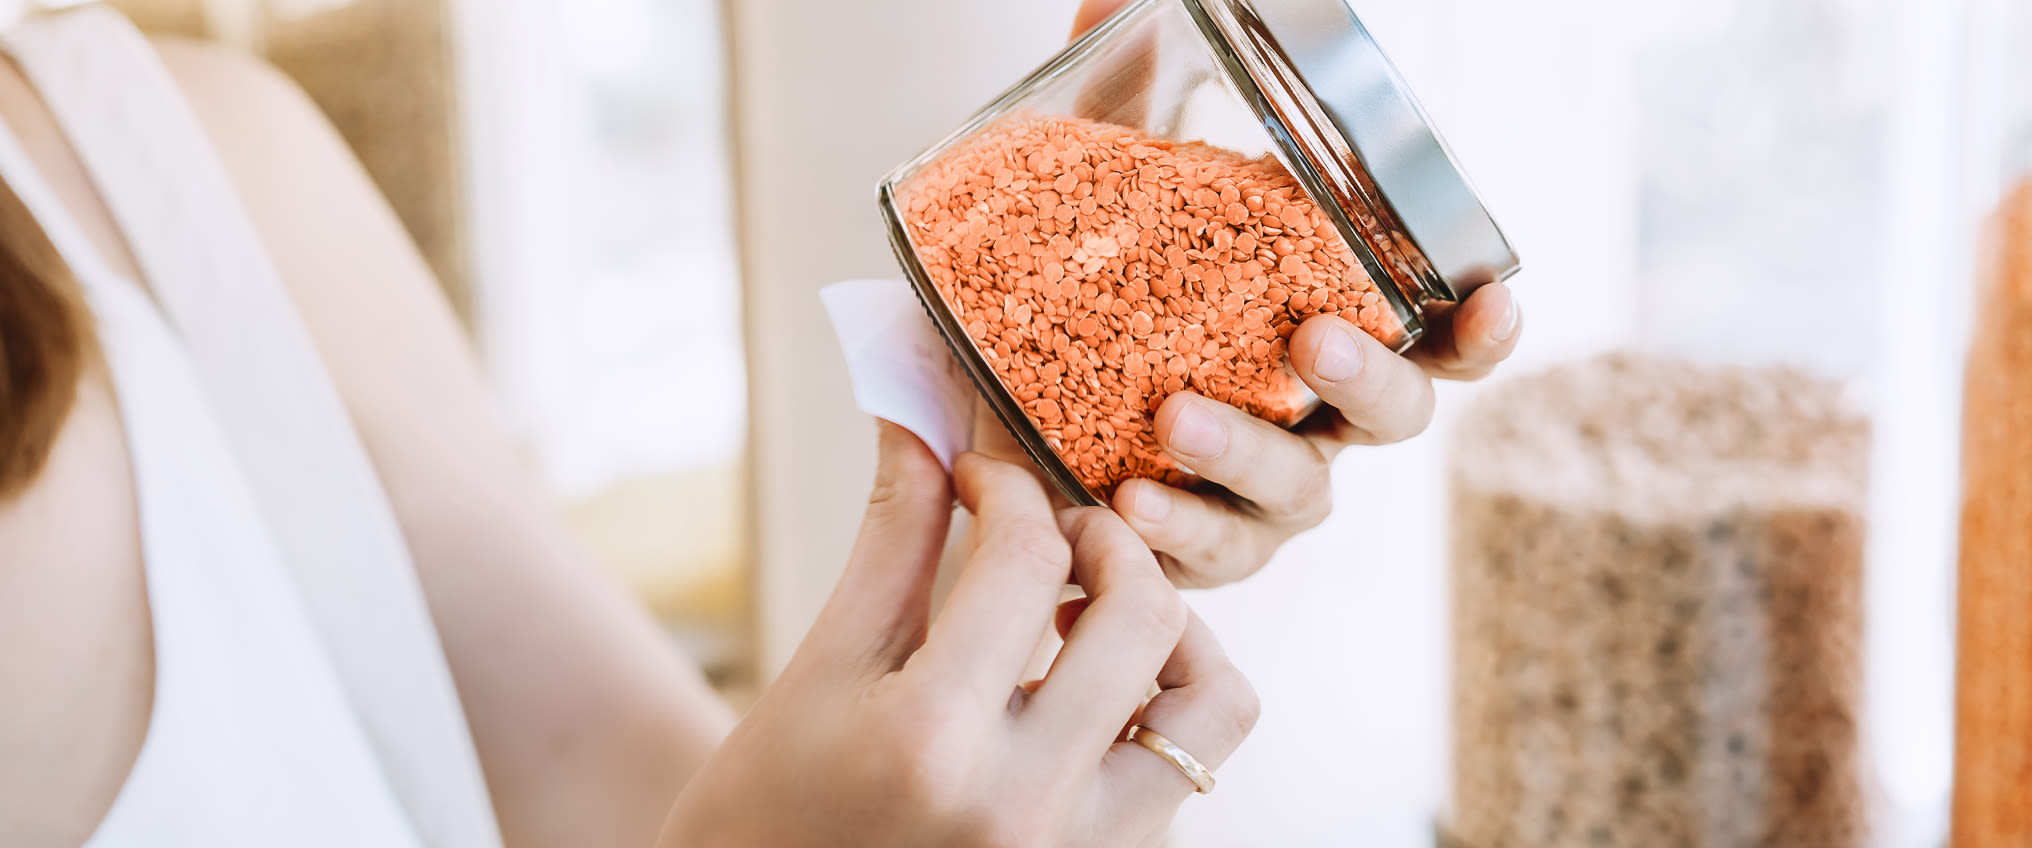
x,y
1657,589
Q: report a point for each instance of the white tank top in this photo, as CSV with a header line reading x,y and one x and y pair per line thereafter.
x,y
301,695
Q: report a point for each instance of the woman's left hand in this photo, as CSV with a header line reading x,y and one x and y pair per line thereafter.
x,y
1278,481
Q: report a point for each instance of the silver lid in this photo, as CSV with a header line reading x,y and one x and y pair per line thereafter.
x,y
1360,92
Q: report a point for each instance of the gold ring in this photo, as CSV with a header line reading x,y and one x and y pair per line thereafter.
x,y
1202,778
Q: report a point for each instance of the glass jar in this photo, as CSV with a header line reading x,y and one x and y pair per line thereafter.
x,y
1657,583
1158,208
1992,804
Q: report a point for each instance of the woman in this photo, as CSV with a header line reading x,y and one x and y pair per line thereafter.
x,y
273,573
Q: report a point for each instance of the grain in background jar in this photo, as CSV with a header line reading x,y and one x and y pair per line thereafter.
x,y
1657,583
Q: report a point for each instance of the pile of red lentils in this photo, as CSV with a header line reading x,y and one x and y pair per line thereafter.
x,y
1101,270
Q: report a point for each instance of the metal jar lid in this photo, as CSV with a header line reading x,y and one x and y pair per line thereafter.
x,y
1359,93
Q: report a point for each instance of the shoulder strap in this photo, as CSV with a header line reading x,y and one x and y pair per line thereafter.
x,y
215,283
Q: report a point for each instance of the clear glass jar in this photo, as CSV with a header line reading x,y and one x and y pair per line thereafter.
x,y
1993,703
1657,584
1156,210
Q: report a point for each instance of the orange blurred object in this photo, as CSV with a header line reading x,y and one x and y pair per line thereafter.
x,y
1993,727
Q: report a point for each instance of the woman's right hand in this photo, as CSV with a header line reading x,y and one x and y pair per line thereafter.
x,y
889,728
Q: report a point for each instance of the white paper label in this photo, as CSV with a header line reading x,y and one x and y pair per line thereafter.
x,y
902,370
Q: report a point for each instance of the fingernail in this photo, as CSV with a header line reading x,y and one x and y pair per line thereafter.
x,y
1195,432
1508,326
1151,503
1339,358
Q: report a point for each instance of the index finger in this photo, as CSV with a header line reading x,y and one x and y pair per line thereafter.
x,y
1117,645
1008,590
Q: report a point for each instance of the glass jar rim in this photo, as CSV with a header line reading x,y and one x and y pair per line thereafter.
x,y
1400,196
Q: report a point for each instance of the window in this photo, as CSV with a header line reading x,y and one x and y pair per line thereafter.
x,y
606,290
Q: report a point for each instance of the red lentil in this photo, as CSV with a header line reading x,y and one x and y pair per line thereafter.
x,y
1101,270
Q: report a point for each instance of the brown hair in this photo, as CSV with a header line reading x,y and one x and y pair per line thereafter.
x,y
45,344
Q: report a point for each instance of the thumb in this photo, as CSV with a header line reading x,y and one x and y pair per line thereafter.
x,y
881,607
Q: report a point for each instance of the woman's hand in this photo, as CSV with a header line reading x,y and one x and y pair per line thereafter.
x,y
1276,481
889,728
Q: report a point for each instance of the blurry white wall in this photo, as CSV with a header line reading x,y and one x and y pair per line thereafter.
x,y
606,288
608,295
829,97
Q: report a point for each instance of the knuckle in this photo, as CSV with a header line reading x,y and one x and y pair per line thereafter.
x,y
1262,462
1422,410
1392,408
1242,707
1156,612
1207,551
1238,561
1181,573
1193,576
905,485
998,474
1471,374
1310,497
924,782
1230,545
1034,543
1225,705
886,492
1085,520
1000,826
923,759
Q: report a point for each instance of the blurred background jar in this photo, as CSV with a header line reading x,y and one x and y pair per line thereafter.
x,y
1657,602
1993,730
1790,172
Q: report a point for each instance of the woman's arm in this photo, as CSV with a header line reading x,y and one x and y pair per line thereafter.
x,y
588,721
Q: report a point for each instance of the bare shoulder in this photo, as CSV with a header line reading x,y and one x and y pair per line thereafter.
x,y
212,73
339,249
254,113
371,306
